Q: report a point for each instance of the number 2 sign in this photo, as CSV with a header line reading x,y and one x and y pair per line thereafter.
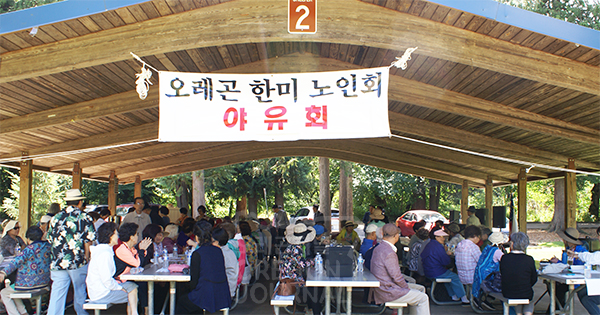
x,y
302,16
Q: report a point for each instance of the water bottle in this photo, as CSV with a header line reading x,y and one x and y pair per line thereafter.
x,y
588,271
166,258
175,250
360,263
188,255
319,263
156,255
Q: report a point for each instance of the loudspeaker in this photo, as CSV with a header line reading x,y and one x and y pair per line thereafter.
x,y
454,216
481,214
499,219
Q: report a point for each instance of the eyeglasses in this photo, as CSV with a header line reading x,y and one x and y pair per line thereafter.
x,y
139,203
17,228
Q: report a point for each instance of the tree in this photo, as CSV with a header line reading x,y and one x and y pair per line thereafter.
x,y
14,5
580,12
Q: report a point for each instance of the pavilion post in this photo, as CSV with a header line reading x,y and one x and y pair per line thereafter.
x,y
137,192
76,176
522,196
26,179
570,197
324,199
464,201
489,193
113,190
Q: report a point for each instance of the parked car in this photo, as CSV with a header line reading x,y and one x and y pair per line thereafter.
x,y
408,219
308,213
96,208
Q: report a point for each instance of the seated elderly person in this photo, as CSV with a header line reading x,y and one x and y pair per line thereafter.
x,y
348,236
454,231
436,258
11,242
467,254
415,265
370,238
33,270
519,274
589,302
489,262
386,268
101,286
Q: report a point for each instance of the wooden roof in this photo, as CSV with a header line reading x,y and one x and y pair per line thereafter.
x,y
474,84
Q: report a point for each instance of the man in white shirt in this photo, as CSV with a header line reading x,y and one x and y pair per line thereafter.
x,y
138,216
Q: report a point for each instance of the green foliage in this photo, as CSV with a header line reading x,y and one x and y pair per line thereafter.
x,y
14,5
47,188
580,12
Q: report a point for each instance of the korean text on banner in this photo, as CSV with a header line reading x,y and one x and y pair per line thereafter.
x,y
274,107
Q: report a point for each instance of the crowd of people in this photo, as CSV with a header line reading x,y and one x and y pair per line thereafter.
x,y
66,245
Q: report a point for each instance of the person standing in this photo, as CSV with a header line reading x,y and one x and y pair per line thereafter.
x,y
280,222
71,233
367,216
472,219
138,216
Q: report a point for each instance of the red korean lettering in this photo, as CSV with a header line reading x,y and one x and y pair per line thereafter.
x,y
316,113
274,114
241,117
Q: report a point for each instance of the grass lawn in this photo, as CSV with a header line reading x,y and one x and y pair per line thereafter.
x,y
545,251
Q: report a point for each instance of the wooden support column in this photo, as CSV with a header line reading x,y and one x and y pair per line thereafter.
x,y
489,193
137,192
464,202
522,196
570,197
26,179
76,176
113,190
324,198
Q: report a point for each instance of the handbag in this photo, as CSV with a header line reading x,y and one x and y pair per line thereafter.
x,y
286,287
492,283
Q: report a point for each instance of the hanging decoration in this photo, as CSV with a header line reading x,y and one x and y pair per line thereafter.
x,y
142,84
402,62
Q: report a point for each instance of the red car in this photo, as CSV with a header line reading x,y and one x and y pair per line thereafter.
x,y
409,218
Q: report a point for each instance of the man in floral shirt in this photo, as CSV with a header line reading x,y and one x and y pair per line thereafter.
x,y
71,232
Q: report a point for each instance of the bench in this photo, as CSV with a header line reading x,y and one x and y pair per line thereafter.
x,y
432,295
97,307
507,303
396,305
30,294
278,301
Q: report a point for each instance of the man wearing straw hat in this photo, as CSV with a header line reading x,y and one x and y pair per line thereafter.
x,y
71,232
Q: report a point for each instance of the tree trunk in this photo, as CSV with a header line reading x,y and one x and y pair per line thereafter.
x,y
279,198
253,207
595,204
346,191
241,209
324,198
198,192
558,220
434,195
182,197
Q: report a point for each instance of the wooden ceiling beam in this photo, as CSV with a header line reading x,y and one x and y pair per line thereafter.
x,y
143,132
501,169
153,150
476,142
17,165
248,155
104,106
348,147
246,21
429,96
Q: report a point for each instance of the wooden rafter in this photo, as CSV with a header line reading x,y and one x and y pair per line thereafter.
x,y
244,21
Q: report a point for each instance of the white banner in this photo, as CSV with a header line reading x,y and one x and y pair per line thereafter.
x,y
273,107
